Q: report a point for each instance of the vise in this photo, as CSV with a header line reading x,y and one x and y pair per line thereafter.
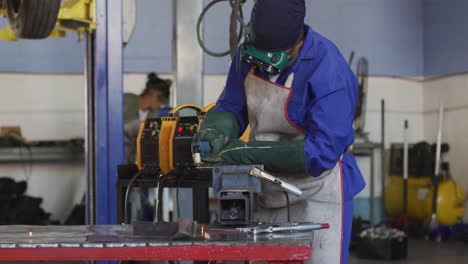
x,y
236,190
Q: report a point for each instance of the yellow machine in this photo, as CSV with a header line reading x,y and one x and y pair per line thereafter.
x,y
417,194
173,128
450,202
165,142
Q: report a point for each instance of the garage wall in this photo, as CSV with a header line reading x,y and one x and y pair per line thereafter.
x,y
445,38
389,33
453,93
47,107
151,44
446,54
40,56
403,101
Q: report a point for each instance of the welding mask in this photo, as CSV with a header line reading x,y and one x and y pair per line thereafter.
x,y
271,62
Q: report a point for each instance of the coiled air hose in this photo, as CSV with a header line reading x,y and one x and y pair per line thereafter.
x,y
237,16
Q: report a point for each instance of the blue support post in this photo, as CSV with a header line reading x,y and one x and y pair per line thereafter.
x,y
108,106
115,97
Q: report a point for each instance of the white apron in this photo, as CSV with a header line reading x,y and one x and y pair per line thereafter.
x,y
322,200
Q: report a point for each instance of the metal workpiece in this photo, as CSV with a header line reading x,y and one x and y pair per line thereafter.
x,y
285,228
117,242
235,176
264,232
184,228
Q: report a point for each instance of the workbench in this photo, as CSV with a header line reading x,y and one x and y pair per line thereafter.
x,y
86,243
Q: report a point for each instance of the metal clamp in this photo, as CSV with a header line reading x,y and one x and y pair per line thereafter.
x,y
292,227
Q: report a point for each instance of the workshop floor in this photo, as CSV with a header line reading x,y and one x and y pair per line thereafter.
x,y
426,252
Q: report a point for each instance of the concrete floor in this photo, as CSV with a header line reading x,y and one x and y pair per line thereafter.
x,y
427,252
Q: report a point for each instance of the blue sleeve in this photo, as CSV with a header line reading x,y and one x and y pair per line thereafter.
x,y
233,99
329,118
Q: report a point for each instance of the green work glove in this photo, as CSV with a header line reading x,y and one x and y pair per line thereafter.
x,y
281,156
218,129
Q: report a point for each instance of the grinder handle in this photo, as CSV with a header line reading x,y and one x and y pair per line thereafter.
x,y
199,149
275,181
204,146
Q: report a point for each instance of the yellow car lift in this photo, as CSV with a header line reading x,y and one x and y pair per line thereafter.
x,y
75,15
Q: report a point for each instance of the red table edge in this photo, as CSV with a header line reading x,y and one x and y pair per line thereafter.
x,y
293,253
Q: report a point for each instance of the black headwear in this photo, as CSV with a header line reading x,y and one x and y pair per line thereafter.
x,y
277,25
157,84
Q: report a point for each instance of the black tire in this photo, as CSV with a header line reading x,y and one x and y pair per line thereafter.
x,y
33,19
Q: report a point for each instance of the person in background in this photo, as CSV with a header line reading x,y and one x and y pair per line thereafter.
x,y
151,103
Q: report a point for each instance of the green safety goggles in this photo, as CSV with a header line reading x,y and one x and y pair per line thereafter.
x,y
271,62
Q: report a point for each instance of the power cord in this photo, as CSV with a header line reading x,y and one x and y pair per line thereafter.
x,y
21,143
127,194
236,14
158,211
288,205
178,180
234,40
28,147
29,166
177,198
